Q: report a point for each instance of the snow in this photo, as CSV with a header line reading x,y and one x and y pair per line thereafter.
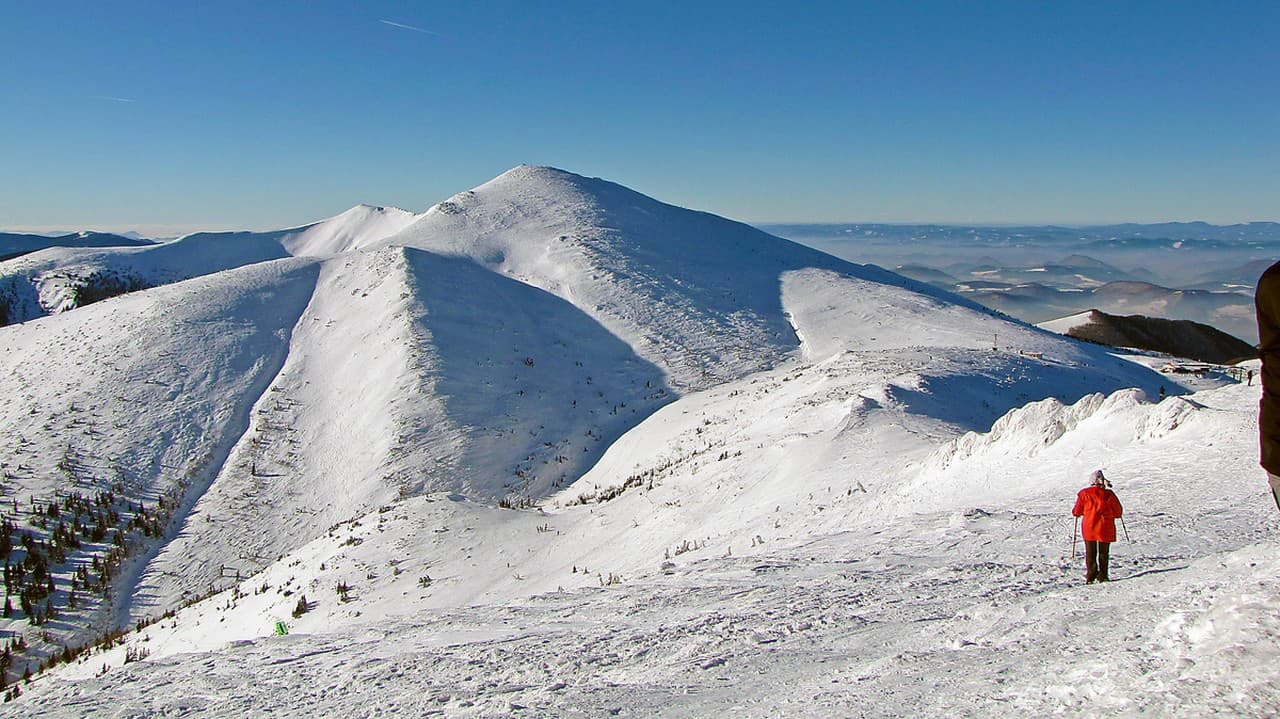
x,y
354,229
50,281
1064,325
747,479
692,293
970,606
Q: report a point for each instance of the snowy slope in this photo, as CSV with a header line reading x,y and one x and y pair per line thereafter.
x,y
960,603
87,412
358,227
391,389
414,372
729,457
94,393
61,278
691,292
58,279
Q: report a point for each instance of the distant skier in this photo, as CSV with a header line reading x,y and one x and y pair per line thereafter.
x,y
1266,300
1100,508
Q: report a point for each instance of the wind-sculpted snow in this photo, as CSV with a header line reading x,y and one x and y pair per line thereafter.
x,y
1047,427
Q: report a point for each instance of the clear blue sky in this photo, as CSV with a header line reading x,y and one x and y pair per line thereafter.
x,y
260,115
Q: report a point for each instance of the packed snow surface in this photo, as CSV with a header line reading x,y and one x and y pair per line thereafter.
x,y
553,448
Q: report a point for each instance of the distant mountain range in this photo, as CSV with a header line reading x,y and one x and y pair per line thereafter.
x,y
1192,271
1053,291
14,244
1171,235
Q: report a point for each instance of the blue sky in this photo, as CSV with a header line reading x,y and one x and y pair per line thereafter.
x,y
179,115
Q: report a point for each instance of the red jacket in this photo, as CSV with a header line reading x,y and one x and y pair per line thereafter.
x,y
1100,508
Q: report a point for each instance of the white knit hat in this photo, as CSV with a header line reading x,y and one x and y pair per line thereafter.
x,y
1098,479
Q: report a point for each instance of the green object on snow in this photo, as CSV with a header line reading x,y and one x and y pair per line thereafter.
x,y
282,628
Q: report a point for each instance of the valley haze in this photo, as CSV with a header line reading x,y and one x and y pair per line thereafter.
x,y
552,447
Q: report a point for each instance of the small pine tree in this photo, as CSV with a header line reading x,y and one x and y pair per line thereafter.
x,y
301,607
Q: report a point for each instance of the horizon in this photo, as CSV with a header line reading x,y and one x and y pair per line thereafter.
x,y
239,116
134,229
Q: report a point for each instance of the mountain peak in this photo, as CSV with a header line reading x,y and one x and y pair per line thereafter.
x,y
627,260
545,179
540,173
367,209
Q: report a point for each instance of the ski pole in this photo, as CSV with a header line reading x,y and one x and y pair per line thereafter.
x,y
1075,529
1126,531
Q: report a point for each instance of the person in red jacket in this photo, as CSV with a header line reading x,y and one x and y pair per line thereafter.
x,y
1100,508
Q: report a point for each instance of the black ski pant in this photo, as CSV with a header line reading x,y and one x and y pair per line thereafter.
x,y
1096,557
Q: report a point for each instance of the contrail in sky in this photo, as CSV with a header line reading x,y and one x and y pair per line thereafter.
x,y
114,99
407,27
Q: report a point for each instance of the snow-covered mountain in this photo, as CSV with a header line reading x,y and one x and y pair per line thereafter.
x,y
581,441
65,275
16,244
